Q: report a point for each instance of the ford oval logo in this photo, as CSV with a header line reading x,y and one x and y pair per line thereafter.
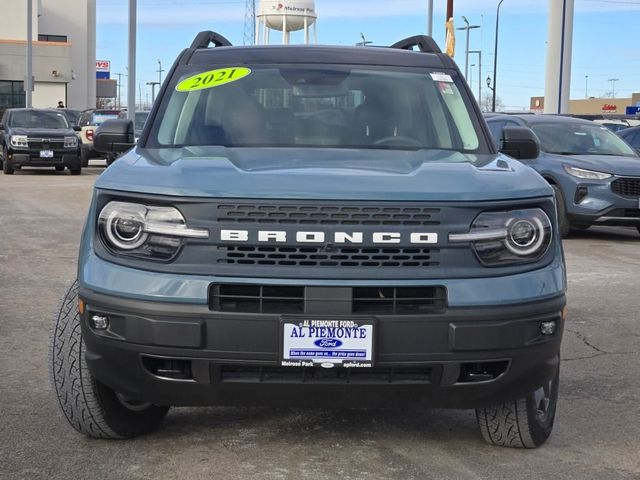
x,y
328,343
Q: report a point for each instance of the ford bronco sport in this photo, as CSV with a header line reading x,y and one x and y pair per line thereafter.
x,y
313,225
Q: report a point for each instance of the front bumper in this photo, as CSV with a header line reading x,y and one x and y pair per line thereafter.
x,y
67,158
233,358
596,203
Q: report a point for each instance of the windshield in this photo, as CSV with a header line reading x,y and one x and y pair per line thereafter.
x,y
569,138
38,119
310,106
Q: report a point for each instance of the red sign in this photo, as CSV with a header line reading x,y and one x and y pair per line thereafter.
x,y
103,65
609,108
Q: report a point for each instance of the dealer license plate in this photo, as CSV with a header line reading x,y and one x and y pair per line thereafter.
x,y
327,342
46,153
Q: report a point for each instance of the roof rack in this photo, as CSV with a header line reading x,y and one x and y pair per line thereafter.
x,y
204,39
424,43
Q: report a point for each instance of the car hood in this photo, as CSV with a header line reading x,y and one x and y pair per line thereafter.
x,y
42,132
322,174
616,165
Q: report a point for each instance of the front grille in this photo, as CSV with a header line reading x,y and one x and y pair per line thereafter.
x,y
328,256
399,300
318,375
287,299
623,213
292,214
628,187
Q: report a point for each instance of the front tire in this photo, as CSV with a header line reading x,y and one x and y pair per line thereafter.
x,y
6,167
76,171
523,423
84,158
89,406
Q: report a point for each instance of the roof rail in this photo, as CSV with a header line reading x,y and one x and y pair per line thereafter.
x,y
424,43
204,39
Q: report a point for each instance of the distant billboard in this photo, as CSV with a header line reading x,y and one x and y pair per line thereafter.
x,y
103,69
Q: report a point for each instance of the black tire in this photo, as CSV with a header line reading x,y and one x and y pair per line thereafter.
x,y
561,208
89,406
6,168
523,423
76,171
84,158
59,168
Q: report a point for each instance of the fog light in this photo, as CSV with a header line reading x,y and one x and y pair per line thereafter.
x,y
100,322
548,327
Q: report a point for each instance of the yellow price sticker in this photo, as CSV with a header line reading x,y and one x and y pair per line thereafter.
x,y
212,78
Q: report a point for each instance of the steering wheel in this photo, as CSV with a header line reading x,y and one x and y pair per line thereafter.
x,y
398,140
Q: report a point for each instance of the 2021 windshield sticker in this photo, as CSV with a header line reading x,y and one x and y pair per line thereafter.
x,y
212,78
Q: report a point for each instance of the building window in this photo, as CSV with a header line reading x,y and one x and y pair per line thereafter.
x,y
52,38
12,94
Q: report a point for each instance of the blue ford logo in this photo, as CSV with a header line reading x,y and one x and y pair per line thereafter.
x,y
328,343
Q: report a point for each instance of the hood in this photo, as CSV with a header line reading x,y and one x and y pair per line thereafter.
x,y
42,132
615,164
323,174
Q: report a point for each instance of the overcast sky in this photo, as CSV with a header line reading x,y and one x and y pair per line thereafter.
x,y
605,37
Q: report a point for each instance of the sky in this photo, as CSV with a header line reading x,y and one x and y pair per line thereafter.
x,y
605,38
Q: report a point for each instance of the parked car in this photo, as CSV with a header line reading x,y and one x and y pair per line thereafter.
x,y
138,124
613,124
596,175
314,225
38,138
73,116
631,136
89,121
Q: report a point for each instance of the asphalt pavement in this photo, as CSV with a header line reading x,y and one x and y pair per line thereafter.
x,y
597,432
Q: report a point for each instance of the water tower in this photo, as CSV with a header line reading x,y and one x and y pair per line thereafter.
x,y
285,16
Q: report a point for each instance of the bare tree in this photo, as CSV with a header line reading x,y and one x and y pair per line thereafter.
x,y
487,102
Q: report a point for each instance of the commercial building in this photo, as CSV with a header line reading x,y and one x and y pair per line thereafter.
x,y
596,106
64,53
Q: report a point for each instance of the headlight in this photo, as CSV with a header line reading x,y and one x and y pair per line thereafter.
x,y
70,142
19,141
588,174
144,231
506,238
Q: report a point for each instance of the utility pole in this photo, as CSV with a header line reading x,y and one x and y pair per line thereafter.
x,y
495,59
29,79
249,22
119,85
479,52
153,90
131,87
613,86
160,70
467,27
586,86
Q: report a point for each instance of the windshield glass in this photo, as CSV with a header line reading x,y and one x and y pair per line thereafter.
x,y
567,138
38,119
310,106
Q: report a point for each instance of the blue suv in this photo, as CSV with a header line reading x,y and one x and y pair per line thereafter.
x,y
595,175
314,225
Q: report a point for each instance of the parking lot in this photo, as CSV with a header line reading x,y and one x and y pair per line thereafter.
x,y
597,428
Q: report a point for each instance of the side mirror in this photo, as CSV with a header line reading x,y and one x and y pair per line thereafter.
x,y
114,136
77,128
520,143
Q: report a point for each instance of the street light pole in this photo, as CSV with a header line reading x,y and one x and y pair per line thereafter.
x,y
586,86
467,27
160,70
153,90
131,87
430,19
29,80
495,58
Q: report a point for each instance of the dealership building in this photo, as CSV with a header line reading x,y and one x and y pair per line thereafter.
x,y
615,107
64,53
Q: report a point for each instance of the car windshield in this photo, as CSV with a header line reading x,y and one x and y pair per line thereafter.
x,y
568,138
311,106
72,116
38,119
